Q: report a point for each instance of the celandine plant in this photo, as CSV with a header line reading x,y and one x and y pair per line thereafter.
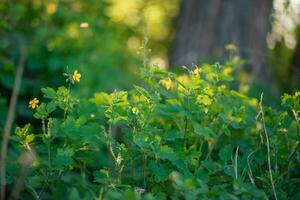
x,y
175,137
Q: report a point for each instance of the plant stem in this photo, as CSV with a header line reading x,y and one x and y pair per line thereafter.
x,y
110,148
43,126
268,146
249,167
100,194
65,113
49,142
144,170
185,132
294,151
200,154
211,147
117,165
49,154
236,162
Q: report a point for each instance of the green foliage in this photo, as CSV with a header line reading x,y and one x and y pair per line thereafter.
x,y
52,37
175,137
50,33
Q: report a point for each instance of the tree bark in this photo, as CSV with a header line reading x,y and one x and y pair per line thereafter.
x,y
206,26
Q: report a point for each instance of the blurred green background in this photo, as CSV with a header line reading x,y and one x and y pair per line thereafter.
x,y
107,52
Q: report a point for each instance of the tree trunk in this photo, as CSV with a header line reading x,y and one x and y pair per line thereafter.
x,y
206,26
294,69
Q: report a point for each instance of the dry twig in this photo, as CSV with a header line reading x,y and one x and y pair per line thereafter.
x,y
10,118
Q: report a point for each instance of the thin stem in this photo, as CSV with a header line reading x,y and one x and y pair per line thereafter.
x,y
34,193
297,132
236,163
110,148
65,113
115,158
43,126
294,151
185,132
249,167
212,146
144,170
132,168
268,146
100,197
200,154
46,135
49,153
49,142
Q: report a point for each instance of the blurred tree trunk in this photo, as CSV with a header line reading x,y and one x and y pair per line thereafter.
x,y
206,26
295,67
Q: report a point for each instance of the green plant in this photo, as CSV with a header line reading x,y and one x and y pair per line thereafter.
x,y
175,137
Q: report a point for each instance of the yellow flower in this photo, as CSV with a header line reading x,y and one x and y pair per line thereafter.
x,y
167,83
183,79
76,76
197,71
227,70
221,88
135,110
33,103
209,91
204,99
231,47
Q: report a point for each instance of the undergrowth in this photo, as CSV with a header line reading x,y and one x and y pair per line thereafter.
x,y
175,136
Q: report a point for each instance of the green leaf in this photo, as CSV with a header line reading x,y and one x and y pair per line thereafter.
x,y
141,90
161,171
204,99
205,132
101,98
41,112
59,162
68,152
141,140
51,107
229,170
35,181
209,165
29,138
21,132
165,152
226,153
172,135
74,194
49,93
101,176
69,128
